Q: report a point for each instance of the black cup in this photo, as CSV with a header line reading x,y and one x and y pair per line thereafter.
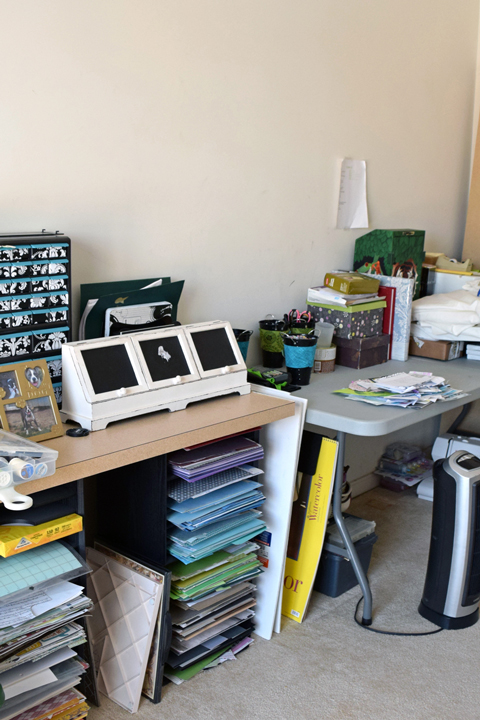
x,y
272,358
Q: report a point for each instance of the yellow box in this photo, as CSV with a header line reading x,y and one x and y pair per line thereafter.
x,y
15,539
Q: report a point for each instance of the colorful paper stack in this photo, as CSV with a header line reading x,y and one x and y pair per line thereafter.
x,y
212,521
413,389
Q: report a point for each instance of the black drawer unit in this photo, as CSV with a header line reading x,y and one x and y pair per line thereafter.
x,y
35,299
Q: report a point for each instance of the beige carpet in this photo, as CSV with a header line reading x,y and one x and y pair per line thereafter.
x,y
328,668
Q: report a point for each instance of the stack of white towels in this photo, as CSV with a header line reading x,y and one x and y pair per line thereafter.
x,y
453,316
473,352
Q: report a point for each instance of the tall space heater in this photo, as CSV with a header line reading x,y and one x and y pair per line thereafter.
x,y
452,585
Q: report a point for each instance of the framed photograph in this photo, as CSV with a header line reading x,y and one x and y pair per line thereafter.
x,y
27,401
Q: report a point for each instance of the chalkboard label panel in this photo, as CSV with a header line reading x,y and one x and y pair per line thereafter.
x,y
109,368
214,349
164,357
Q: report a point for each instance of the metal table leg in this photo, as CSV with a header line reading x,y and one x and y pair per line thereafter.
x,y
352,553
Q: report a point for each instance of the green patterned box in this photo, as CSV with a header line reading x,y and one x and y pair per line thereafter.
x,y
398,253
356,321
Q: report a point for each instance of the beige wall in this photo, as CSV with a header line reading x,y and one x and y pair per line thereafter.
x,y
201,138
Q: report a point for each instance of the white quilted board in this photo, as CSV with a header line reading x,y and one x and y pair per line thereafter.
x,y
121,627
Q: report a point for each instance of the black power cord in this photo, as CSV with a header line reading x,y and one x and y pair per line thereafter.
x,y
389,632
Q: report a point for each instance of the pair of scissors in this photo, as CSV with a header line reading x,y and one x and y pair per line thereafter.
x,y
295,316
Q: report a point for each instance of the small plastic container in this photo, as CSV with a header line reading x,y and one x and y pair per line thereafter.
x,y
335,573
324,332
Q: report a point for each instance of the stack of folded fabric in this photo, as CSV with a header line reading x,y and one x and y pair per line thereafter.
x,y
473,351
448,316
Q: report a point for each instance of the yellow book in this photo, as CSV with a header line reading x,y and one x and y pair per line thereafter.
x,y
15,539
307,532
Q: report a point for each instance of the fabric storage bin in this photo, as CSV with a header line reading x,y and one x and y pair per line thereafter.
x,y
40,252
39,317
59,283
37,269
57,299
57,389
20,270
55,316
335,574
40,285
41,300
19,302
5,322
20,253
11,346
58,268
20,319
5,305
398,253
362,352
54,365
362,320
22,287
58,250
47,341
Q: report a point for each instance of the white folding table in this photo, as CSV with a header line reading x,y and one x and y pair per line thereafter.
x,y
334,412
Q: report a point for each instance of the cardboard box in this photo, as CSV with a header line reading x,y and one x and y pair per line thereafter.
x,y
398,253
436,349
351,283
15,539
362,352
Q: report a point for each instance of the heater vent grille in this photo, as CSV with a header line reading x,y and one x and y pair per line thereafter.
x,y
472,586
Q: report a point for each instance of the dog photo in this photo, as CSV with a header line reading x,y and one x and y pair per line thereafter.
x,y
9,384
36,417
34,376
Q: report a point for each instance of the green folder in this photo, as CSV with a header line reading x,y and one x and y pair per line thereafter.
x,y
125,293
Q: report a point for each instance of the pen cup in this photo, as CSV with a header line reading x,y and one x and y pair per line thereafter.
x,y
242,337
299,356
271,342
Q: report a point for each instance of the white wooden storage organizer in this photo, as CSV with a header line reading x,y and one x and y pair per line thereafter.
x,y
114,378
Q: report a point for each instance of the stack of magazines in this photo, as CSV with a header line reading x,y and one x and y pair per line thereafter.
x,y
39,629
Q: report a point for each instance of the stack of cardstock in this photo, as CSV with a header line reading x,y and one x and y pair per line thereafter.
x,y
69,705
38,631
206,460
212,521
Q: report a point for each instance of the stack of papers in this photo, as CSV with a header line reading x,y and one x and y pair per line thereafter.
x,y
213,514
201,462
38,631
413,389
212,606
188,545
69,705
328,296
